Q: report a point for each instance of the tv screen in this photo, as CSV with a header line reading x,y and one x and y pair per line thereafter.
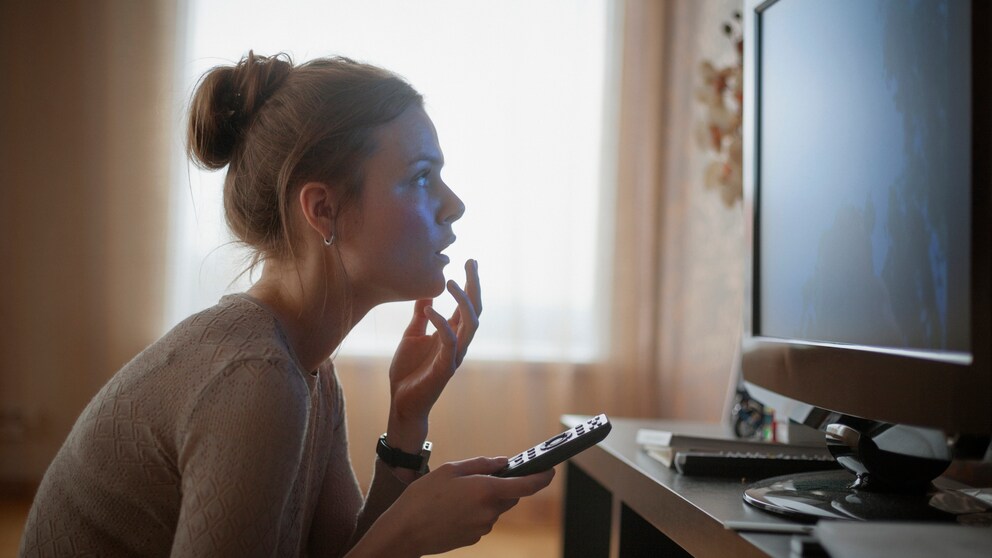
x,y
867,178
867,194
864,152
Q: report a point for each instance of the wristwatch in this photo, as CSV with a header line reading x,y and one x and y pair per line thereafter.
x,y
396,458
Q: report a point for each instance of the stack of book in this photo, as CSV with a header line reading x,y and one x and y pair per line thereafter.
x,y
664,445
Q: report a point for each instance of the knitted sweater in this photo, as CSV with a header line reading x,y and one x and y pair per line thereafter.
x,y
211,442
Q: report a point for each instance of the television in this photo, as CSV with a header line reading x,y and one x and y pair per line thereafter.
x,y
867,139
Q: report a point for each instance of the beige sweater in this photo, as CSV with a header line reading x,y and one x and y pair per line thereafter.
x,y
211,442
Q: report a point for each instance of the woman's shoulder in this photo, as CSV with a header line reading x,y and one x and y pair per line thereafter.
x,y
234,333
236,328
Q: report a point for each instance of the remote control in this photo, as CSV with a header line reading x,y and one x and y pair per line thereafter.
x,y
558,448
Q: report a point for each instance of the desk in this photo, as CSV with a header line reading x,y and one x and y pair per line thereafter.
x,y
621,502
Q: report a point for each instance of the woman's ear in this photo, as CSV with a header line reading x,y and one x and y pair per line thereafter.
x,y
319,208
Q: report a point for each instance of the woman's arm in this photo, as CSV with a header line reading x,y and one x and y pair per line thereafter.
x,y
423,364
239,457
341,508
421,368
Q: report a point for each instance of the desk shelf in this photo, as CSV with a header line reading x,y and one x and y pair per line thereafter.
x,y
621,502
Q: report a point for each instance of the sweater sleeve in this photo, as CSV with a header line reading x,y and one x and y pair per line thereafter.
x,y
342,516
239,455
383,491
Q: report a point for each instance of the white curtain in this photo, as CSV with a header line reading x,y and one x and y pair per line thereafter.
x,y
523,97
515,89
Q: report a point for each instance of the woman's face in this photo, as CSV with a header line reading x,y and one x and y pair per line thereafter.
x,y
391,239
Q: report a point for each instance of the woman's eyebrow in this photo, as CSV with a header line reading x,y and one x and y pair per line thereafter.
x,y
431,158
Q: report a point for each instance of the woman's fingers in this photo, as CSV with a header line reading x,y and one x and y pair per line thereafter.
x,y
473,290
519,487
472,285
504,488
444,332
418,323
478,465
465,321
458,503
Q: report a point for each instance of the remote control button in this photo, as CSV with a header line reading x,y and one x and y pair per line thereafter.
x,y
561,438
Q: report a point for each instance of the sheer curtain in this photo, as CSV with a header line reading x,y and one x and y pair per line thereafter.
x,y
521,94
519,118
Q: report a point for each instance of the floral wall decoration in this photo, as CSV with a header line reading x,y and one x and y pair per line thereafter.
x,y
721,93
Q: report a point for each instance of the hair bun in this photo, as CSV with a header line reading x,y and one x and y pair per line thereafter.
x,y
226,102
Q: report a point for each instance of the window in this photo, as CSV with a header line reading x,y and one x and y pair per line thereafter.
x,y
515,89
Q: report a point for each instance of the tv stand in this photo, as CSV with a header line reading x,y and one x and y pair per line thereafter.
x,y
830,495
619,502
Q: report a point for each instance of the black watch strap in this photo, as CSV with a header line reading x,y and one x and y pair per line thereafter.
x,y
396,458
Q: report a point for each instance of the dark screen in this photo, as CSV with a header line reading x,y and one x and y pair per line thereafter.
x,y
864,173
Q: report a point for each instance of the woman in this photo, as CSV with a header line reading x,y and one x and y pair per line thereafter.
x,y
227,436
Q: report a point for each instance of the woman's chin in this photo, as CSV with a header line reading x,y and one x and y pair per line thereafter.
x,y
428,289
423,283
437,288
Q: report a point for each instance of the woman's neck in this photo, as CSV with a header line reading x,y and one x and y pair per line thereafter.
x,y
313,310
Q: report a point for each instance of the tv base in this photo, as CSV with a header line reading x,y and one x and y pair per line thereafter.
x,y
828,495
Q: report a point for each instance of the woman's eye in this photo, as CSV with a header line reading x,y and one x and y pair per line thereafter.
x,y
422,181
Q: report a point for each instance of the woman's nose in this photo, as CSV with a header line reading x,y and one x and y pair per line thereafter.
x,y
453,208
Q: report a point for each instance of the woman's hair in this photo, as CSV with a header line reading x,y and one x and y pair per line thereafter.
x,y
277,125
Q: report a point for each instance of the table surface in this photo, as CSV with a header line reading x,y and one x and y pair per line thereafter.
x,y
694,511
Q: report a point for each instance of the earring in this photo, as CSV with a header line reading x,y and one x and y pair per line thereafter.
x,y
329,241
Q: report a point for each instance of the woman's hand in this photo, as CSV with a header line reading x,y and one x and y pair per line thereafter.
x,y
453,506
423,363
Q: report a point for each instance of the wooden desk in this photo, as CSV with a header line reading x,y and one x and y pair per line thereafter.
x,y
621,502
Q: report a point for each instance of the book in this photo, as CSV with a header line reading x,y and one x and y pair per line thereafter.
x,y
662,445
664,455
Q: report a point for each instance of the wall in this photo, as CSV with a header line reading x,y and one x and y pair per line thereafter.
x,y
83,198
702,238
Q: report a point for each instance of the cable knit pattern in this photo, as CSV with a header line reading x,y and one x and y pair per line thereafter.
x,y
211,442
